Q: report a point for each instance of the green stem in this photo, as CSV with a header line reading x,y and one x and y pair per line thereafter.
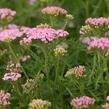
x,y
44,50
93,69
57,69
15,87
96,8
105,64
100,69
105,67
51,21
33,54
87,8
81,87
66,22
107,2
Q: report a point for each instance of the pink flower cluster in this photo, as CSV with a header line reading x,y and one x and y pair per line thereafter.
x,y
106,106
9,26
43,34
10,34
61,33
4,12
12,76
24,29
88,40
54,10
97,21
101,43
82,102
3,98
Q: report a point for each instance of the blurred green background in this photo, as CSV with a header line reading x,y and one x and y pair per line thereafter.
x,y
81,9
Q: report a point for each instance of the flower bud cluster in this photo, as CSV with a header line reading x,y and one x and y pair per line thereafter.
x,y
78,72
39,104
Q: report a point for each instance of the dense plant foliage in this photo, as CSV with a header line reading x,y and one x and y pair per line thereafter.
x,y
54,54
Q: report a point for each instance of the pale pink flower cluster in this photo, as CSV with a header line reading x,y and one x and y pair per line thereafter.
x,y
101,44
3,98
1,29
13,67
10,34
82,102
28,83
24,58
39,104
88,40
11,76
97,21
31,2
12,26
78,72
107,98
106,106
4,12
9,26
43,34
54,10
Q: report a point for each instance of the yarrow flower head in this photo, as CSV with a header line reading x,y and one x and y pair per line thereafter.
x,y
78,72
98,21
5,13
54,10
39,104
101,44
44,34
95,27
10,34
82,102
11,76
3,98
60,51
